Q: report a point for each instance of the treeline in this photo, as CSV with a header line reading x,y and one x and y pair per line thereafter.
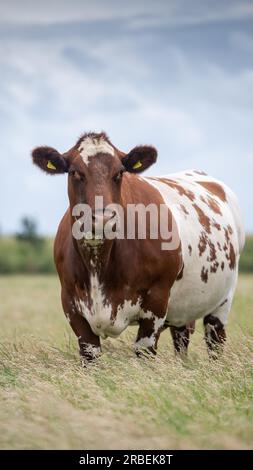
x,y
19,255
246,260
27,251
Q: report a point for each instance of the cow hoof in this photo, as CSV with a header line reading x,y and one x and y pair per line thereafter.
x,y
86,361
145,353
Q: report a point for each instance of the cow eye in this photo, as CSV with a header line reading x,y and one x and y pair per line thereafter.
x,y
118,176
77,176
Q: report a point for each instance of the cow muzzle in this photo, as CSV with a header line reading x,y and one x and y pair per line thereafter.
x,y
102,221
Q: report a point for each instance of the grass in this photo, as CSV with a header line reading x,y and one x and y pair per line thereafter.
x,y
48,401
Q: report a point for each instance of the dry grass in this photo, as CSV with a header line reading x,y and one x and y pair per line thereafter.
x,y
48,401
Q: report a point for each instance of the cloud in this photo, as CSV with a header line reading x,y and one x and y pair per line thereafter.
x,y
62,11
175,90
141,13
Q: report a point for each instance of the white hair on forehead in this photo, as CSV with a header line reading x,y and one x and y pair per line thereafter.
x,y
90,146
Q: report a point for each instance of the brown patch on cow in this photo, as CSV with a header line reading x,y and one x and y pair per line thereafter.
x,y
230,230
216,225
214,267
184,210
204,274
214,188
147,327
203,240
203,219
190,249
175,185
180,274
219,246
213,205
225,247
212,256
226,232
199,172
222,265
231,257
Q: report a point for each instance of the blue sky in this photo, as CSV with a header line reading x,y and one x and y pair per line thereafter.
x,y
177,74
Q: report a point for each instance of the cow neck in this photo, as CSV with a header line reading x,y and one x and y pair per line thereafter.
x,y
96,259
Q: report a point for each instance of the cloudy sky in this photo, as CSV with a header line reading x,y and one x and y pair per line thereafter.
x,y
177,74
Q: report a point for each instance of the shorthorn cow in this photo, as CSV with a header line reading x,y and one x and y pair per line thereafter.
x,y
124,276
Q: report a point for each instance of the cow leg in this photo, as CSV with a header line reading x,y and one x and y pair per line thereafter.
x,y
89,343
181,339
215,335
214,327
148,334
152,320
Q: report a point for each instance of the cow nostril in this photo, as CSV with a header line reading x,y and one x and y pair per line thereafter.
x,y
98,325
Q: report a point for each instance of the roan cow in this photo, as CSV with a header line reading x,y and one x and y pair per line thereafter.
x,y
110,283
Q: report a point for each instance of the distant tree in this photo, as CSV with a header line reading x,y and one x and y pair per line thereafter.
x,y
29,231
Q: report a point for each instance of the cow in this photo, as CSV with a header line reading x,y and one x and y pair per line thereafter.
x,y
108,284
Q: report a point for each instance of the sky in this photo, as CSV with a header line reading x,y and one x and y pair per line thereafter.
x,y
177,74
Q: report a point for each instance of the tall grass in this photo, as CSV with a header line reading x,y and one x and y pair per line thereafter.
x,y
49,401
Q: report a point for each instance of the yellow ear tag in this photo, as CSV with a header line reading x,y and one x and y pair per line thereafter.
x,y
137,165
50,165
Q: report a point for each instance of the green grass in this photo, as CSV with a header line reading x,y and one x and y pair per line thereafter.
x,y
48,401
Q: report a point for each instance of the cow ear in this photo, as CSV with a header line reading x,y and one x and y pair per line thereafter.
x,y
49,160
139,159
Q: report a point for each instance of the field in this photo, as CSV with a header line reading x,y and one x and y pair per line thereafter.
x,y
48,401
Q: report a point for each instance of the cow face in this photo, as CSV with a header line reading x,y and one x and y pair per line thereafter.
x,y
95,168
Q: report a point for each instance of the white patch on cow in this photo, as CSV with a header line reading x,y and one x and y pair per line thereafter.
x,y
144,344
158,324
91,146
222,311
190,297
100,317
146,314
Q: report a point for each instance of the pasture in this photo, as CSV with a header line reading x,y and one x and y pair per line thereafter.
x,y
48,401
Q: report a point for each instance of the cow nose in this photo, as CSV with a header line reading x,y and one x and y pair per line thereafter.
x,y
100,218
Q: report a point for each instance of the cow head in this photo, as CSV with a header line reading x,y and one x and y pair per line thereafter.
x,y
95,167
